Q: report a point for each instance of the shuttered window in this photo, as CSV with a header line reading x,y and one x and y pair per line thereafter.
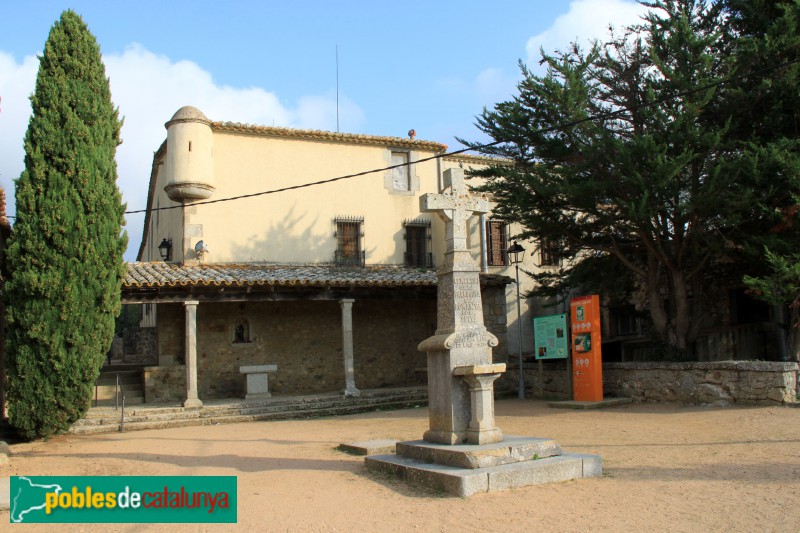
x,y
496,242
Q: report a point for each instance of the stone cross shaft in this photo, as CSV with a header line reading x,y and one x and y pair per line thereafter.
x,y
461,403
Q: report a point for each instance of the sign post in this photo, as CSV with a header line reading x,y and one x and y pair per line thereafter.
x,y
587,362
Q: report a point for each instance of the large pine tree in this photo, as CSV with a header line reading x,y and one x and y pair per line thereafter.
x,y
677,178
65,255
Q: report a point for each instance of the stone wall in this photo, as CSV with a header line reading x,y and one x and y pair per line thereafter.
x,y
495,319
745,382
724,382
304,338
140,345
164,383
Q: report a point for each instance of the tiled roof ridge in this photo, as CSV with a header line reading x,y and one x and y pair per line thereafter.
x,y
322,135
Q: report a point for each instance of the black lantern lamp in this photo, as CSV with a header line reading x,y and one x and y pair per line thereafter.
x,y
515,254
165,249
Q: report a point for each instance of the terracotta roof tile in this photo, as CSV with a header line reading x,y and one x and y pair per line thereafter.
x,y
160,274
320,135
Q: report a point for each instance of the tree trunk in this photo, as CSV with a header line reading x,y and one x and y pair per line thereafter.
x,y
682,311
657,312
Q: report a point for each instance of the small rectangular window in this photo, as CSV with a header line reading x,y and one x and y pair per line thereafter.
x,y
418,242
349,250
400,181
496,242
549,252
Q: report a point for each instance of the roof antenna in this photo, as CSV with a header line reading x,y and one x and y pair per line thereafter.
x,y
337,88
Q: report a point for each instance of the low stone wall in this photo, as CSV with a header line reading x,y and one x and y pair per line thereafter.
x,y
723,382
164,383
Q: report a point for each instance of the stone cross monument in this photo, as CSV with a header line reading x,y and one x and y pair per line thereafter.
x,y
460,369
463,453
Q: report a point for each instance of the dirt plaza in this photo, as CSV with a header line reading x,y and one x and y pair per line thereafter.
x,y
667,467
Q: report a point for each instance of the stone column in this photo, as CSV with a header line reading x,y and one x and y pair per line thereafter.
x,y
347,348
192,401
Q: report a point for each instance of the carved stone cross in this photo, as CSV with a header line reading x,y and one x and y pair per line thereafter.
x,y
456,208
460,369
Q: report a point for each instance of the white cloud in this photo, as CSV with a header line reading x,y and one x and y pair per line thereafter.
x,y
585,21
148,89
16,85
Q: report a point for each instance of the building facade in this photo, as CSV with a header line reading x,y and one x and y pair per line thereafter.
x,y
332,282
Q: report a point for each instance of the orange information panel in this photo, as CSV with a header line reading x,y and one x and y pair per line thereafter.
x,y
587,363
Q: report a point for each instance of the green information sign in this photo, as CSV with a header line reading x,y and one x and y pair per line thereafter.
x,y
550,335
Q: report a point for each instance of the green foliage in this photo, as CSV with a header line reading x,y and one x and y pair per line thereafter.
x,y
654,195
65,254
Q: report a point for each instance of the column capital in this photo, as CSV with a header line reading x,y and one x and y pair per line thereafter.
x,y
191,302
347,300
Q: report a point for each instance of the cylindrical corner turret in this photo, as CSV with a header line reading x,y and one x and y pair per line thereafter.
x,y
190,156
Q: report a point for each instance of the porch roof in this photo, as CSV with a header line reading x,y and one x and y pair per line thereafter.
x,y
152,275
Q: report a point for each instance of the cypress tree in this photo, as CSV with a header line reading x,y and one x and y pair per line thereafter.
x,y
65,255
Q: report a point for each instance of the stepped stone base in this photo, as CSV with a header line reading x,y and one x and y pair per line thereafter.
x,y
509,450
369,447
465,470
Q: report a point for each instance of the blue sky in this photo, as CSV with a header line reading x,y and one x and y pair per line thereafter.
x,y
431,66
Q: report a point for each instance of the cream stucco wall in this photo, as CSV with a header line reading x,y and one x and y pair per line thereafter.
x,y
296,226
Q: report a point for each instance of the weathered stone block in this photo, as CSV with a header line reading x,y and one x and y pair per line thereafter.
x,y
369,447
510,450
549,470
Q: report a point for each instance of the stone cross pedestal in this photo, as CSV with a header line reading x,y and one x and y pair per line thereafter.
x,y
463,453
460,353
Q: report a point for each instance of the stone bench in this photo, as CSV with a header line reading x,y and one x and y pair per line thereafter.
x,y
256,384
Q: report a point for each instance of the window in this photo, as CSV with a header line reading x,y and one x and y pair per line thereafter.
x,y
400,181
349,233
418,242
148,316
549,252
241,331
496,242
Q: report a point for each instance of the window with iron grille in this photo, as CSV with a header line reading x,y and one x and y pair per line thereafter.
x,y
549,252
418,244
496,242
349,235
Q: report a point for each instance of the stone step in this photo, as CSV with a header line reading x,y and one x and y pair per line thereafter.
x,y
112,389
104,420
112,379
466,482
156,422
136,411
129,401
114,416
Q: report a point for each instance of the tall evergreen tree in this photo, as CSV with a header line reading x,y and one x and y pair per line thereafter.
x,y
65,255
658,195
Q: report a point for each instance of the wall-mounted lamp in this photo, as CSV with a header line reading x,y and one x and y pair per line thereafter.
x,y
165,249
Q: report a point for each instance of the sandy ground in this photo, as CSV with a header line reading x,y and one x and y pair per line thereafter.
x,y
667,468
